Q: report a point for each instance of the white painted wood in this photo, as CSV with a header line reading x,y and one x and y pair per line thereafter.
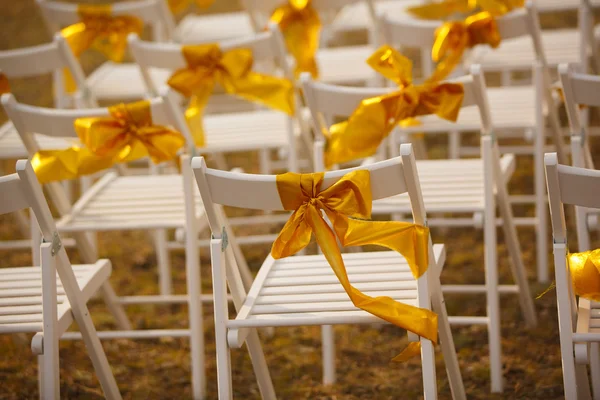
x,y
50,362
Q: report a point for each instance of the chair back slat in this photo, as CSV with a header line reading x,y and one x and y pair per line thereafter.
x,y
579,186
13,198
30,61
585,89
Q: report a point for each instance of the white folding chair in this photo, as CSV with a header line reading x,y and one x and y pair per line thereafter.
x,y
517,111
148,202
33,300
113,81
577,318
274,301
257,130
473,186
580,89
49,58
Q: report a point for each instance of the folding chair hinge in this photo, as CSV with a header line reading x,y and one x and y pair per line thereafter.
x,y
559,242
224,240
56,244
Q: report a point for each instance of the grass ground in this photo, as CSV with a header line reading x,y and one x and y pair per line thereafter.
x,y
160,369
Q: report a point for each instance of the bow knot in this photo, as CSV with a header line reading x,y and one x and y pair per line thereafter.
x,y
208,65
585,273
347,204
126,135
376,117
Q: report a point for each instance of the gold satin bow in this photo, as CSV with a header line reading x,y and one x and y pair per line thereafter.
x,y
126,135
300,25
453,38
4,84
207,65
177,6
347,204
585,273
376,117
447,8
99,30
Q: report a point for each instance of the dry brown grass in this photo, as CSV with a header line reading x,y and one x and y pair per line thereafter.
x,y
159,369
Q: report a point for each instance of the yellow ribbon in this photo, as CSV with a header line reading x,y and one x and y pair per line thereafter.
x,y
347,204
207,65
376,117
447,8
99,30
300,25
4,85
177,6
126,135
585,273
453,38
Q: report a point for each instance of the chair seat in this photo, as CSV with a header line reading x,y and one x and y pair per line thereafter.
x,y
112,81
21,295
348,64
246,131
11,146
213,28
512,108
560,46
448,186
303,290
129,202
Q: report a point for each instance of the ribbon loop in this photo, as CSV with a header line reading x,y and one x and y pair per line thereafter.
x,y
347,204
126,135
445,9
300,25
376,117
208,65
585,273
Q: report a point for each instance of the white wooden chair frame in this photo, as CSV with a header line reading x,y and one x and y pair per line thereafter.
x,y
580,89
128,203
328,101
521,22
153,13
219,188
32,306
49,58
577,320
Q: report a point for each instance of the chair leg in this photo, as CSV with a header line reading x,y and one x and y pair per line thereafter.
x,y
259,364
583,384
493,301
328,354
541,208
428,369
595,369
164,265
114,307
454,145
49,371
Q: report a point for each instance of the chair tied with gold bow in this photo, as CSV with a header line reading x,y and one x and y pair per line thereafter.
x,y
100,30
347,206
127,134
376,117
208,65
300,25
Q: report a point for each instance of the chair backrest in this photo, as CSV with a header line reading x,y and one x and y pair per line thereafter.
x,y
588,45
153,13
327,102
60,123
267,47
261,10
406,31
579,89
45,59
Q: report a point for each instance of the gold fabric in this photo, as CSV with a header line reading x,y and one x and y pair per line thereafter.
x,y
585,273
347,204
99,30
207,65
177,6
445,9
126,135
453,38
300,25
4,85
376,117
